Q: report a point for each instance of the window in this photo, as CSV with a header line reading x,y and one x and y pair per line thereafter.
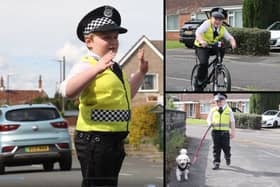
x,y
245,107
173,23
205,108
149,83
32,114
231,20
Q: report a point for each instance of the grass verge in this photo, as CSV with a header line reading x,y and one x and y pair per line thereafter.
x,y
172,44
174,142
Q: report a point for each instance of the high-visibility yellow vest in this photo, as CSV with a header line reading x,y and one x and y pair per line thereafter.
x,y
221,121
105,103
208,36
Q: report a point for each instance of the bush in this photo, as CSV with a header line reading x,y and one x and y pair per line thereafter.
x,y
248,121
143,124
250,41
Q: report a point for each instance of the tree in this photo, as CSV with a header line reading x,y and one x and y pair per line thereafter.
x,y
260,13
261,102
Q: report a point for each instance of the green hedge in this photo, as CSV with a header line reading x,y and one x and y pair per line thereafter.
x,y
250,41
248,121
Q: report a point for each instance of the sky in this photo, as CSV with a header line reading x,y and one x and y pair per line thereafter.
x,y
36,34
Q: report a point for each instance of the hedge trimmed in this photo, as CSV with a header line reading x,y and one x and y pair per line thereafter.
x,y
250,41
248,121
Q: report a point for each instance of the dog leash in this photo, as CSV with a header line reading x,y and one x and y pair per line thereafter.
x,y
200,144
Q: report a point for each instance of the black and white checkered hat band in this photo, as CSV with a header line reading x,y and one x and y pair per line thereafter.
x,y
110,115
94,24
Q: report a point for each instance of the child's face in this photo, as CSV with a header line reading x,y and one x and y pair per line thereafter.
x,y
103,42
217,22
220,103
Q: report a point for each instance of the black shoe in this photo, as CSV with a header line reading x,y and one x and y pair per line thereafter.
x,y
228,162
216,166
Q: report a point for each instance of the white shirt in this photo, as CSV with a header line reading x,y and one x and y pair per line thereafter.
x,y
206,24
76,69
209,118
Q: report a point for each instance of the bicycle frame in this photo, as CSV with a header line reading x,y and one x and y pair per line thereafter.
x,y
216,63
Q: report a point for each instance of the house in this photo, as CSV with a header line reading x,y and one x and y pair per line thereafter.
x,y
199,105
13,97
151,90
180,11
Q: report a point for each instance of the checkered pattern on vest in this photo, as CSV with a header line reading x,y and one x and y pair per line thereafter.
x,y
110,115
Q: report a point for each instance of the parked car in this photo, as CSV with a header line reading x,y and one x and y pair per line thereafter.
x,y
187,32
275,35
271,118
34,134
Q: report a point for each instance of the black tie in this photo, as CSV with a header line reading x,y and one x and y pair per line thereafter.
x,y
215,32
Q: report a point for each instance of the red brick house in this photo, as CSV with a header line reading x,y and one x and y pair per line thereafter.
x,y
180,11
13,97
151,90
199,105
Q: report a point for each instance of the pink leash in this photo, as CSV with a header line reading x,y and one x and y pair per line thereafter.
x,y
200,144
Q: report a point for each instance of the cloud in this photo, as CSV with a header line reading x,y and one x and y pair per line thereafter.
x,y
3,64
71,52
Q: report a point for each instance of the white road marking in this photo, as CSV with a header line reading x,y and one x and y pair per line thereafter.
x,y
271,154
179,79
126,174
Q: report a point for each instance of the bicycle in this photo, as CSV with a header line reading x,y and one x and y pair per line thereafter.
x,y
219,75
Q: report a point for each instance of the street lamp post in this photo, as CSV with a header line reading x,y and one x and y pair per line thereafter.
x,y
8,84
62,78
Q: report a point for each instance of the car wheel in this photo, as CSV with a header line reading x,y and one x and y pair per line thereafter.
x,y
65,162
2,168
48,166
275,124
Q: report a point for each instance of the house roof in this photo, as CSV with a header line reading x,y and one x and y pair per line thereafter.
x,y
20,96
221,3
155,45
189,6
209,97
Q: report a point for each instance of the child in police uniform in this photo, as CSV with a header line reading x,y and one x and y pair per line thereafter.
x,y
105,97
222,120
210,32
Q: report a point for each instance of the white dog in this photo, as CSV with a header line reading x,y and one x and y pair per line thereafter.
x,y
183,164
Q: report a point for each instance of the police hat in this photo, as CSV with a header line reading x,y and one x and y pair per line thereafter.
x,y
219,96
102,19
219,13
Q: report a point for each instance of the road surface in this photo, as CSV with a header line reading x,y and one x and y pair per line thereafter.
x,y
135,172
247,72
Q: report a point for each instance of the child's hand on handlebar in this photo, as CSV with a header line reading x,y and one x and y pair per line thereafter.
x,y
203,43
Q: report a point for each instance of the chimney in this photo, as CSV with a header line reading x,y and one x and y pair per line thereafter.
x,y
40,83
2,87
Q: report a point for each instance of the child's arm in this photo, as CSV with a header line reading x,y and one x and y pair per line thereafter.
x,y
80,81
137,79
230,38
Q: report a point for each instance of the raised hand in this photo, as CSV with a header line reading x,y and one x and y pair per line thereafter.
x,y
106,61
143,64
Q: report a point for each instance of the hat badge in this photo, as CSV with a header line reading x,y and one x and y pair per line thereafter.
x,y
108,12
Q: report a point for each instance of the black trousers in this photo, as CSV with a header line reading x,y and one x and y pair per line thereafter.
x,y
203,55
100,156
221,140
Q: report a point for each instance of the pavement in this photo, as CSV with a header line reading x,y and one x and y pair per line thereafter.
x,y
255,160
247,72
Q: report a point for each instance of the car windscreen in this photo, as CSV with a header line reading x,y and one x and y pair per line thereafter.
x,y
32,114
274,27
191,25
270,113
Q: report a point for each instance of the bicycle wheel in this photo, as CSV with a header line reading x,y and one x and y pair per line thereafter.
x,y
193,76
222,82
